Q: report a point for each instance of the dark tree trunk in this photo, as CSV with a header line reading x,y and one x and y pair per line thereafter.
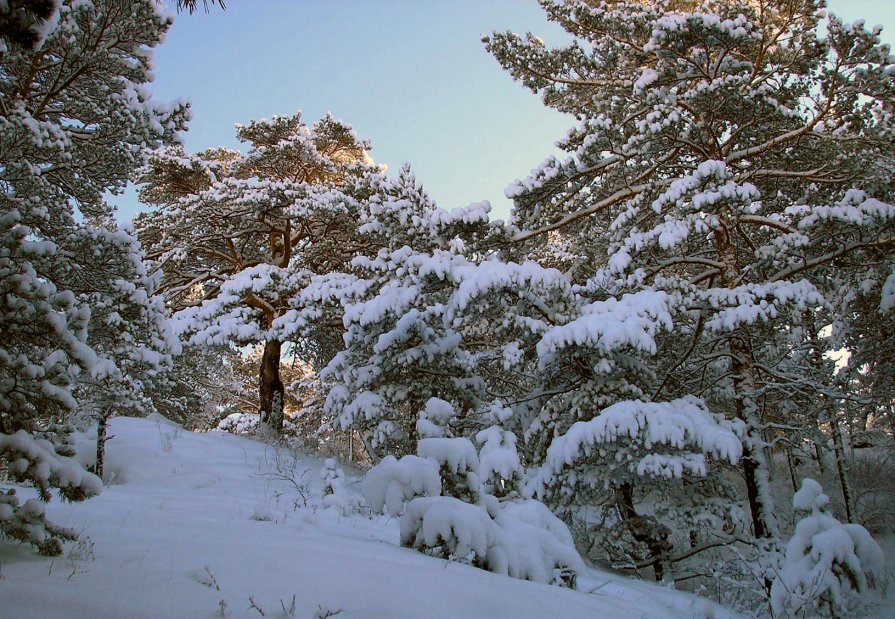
x,y
819,452
742,369
791,461
101,439
624,500
753,492
647,530
842,469
270,387
756,470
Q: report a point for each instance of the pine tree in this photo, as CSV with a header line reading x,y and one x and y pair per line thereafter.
x,y
825,561
446,343
128,330
77,317
727,152
237,235
399,348
192,5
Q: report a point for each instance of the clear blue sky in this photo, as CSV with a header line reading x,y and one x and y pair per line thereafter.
x,y
411,75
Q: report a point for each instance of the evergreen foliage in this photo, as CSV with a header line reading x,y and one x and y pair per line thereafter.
x,y
825,561
80,329
732,155
658,320
237,235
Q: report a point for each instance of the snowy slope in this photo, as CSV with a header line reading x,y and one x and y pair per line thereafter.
x,y
198,525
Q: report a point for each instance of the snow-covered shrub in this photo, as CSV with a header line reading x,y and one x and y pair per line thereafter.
x,y
249,424
450,528
500,469
333,477
35,460
825,560
517,537
335,493
458,463
435,418
392,482
240,423
536,544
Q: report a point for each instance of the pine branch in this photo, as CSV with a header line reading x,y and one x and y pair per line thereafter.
x,y
192,5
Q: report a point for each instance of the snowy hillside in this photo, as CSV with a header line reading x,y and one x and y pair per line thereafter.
x,y
206,525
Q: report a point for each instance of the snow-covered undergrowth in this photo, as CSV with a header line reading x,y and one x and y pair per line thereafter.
x,y
825,560
208,525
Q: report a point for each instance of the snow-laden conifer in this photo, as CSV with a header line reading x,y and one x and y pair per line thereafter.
x,y
447,511
238,234
79,327
727,154
825,561
450,346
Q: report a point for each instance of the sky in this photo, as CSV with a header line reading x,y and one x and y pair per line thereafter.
x,y
410,75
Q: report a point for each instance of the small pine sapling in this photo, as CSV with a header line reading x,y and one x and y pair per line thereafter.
x,y
824,562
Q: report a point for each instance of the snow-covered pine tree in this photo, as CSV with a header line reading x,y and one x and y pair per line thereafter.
x,y
435,312
512,352
236,235
825,562
75,118
663,452
129,332
399,349
726,152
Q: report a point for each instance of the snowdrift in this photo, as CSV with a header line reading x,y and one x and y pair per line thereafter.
x,y
208,525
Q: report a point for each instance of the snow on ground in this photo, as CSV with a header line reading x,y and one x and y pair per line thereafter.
x,y
203,525
883,602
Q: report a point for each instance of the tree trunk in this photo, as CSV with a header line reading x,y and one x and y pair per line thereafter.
x,y
791,461
849,425
756,490
270,389
755,464
647,530
819,453
842,469
742,370
101,439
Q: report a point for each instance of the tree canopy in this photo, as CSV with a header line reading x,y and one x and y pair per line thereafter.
x,y
80,328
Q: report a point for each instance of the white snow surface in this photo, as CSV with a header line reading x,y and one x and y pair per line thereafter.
x,y
193,522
